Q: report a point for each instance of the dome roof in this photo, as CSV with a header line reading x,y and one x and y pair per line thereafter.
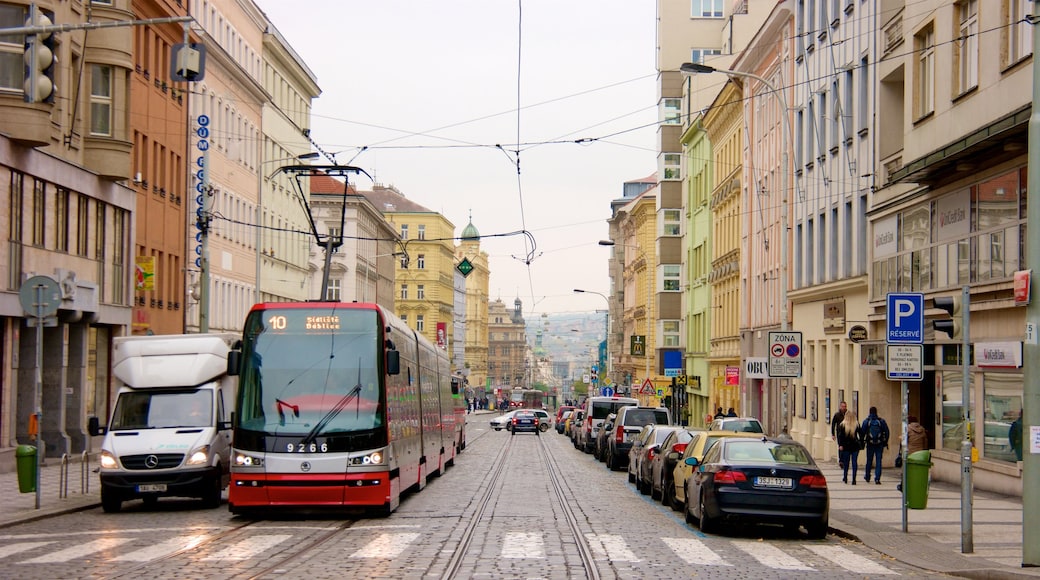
x,y
470,231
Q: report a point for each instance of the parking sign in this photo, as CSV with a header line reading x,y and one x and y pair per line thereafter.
x,y
905,318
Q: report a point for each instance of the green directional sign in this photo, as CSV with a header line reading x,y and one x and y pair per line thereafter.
x,y
465,267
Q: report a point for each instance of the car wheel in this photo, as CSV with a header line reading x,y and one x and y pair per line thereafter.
x,y
498,428
543,427
707,524
654,493
644,487
667,494
817,530
687,513
631,477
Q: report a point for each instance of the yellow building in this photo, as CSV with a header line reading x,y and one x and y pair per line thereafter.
x,y
634,256
723,122
476,321
425,271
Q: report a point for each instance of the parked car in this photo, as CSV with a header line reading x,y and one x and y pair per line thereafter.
x,y
697,447
630,420
745,424
575,428
561,422
650,450
502,421
604,430
561,410
635,453
568,425
525,421
596,410
756,480
663,461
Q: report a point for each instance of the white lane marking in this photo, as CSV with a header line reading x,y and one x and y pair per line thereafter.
x,y
130,531
849,560
162,549
693,551
249,547
611,547
770,556
523,545
20,547
386,546
79,551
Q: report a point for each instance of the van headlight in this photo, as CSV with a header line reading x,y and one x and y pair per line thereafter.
x,y
199,457
107,460
244,460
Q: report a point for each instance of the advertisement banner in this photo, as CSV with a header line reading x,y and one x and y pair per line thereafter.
x,y
442,335
144,273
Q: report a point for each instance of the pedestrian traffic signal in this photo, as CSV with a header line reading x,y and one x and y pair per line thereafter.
x,y
951,326
40,60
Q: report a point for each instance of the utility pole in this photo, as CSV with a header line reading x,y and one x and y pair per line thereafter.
x,y
1030,350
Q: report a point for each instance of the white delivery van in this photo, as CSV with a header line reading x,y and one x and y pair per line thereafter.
x,y
170,430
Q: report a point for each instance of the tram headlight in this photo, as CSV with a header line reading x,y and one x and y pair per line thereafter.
x,y
200,456
107,460
243,460
374,458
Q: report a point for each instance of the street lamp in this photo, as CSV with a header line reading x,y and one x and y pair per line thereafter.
x,y
610,365
692,68
649,299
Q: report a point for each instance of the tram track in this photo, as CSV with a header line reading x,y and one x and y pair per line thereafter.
x,y
211,540
560,487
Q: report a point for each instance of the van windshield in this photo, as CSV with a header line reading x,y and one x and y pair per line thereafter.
x,y
600,410
163,409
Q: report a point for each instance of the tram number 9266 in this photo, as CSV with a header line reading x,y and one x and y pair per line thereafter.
x,y
305,448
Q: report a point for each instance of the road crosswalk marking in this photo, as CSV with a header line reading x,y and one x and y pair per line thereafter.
x,y
516,545
20,547
386,546
162,549
78,551
523,545
249,547
611,546
693,551
849,560
771,556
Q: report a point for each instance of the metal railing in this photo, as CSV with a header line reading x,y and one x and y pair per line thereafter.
x,y
84,475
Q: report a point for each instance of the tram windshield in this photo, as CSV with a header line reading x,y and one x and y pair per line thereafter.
x,y
310,372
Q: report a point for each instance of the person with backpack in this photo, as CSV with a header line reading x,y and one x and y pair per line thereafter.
x,y
875,436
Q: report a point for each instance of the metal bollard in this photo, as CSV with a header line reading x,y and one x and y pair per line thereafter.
x,y
84,473
63,478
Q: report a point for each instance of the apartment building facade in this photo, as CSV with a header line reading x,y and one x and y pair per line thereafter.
x,y
954,97
475,312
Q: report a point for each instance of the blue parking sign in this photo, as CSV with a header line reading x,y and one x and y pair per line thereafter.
x,y
905,318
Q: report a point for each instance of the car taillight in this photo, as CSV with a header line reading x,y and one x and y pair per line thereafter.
x,y
813,480
679,448
729,476
619,435
514,421
650,455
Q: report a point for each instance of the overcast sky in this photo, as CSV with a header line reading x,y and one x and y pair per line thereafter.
x,y
431,88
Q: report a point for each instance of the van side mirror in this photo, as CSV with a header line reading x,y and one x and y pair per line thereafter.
x,y
234,360
393,362
94,427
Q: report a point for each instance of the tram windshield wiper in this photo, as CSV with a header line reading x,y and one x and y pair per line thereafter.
x,y
335,410
281,413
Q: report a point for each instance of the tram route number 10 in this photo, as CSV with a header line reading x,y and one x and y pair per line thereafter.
x,y
278,323
312,448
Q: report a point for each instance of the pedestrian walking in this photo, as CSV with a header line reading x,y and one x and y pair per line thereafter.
x,y
850,441
916,435
1015,436
875,435
836,424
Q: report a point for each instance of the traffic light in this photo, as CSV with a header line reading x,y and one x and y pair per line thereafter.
x,y
951,326
40,60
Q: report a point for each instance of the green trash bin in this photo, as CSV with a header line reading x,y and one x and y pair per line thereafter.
x,y
25,459
918,464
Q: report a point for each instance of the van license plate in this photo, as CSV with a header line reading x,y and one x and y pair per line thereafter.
x,y
151,487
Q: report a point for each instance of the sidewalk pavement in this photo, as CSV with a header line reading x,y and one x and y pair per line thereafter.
x,y
872,514
866,512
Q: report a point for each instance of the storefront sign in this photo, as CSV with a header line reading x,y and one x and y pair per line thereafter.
x,y
732,375
952,215
998,354
885,243
834,317
1022,284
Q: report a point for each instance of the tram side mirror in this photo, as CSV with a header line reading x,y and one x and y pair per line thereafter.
x,y
94,427
234,359
393,362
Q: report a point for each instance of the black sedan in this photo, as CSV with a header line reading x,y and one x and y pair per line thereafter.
x,y
525,421
760,481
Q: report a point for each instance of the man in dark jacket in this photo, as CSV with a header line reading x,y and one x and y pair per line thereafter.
x,y
875,436
838,418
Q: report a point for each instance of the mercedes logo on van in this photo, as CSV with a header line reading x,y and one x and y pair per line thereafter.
x,y
305,466
151,462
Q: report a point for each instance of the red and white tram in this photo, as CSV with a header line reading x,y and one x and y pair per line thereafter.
x,y
340,405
